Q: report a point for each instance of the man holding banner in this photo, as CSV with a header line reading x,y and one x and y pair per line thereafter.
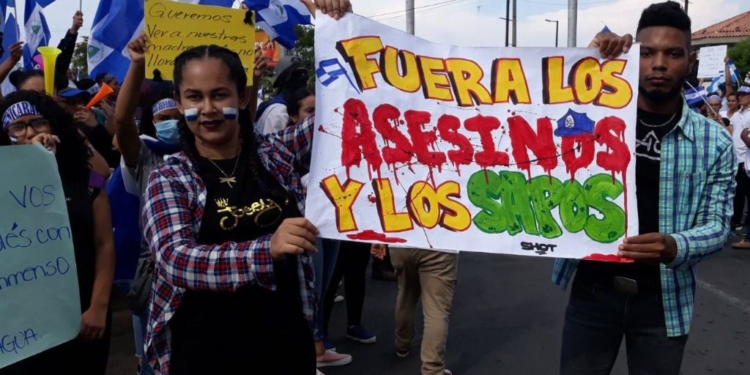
x,y
684,176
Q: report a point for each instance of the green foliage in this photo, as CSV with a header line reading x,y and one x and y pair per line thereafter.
x,y
305,47
740,53
79,60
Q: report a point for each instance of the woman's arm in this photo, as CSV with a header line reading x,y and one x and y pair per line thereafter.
x,y
16,52
98,163
127,102
93,321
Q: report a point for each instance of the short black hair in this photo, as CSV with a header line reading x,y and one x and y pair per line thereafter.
x,y
669,14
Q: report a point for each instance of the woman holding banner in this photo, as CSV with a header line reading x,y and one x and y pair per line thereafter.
x,y
233,282
34,118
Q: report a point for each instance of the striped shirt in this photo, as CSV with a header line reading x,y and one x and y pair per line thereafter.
x,y
696,191
175,199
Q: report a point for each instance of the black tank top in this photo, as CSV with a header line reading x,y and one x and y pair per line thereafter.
x,y
250,330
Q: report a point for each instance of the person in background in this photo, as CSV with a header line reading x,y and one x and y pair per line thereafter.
x,y
301,105
684,191
733,105
15,55
430,275
713,109
352,267
34,118
111,80
290,75
739,122
97,125
67,47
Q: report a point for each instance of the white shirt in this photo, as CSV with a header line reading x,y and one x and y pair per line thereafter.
x,y
740,121
273,120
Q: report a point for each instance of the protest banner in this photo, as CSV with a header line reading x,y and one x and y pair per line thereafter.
x,y
39,300
173,27
711,61
522,151
271,50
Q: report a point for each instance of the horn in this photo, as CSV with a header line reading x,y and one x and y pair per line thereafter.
x,y
103,92
49,56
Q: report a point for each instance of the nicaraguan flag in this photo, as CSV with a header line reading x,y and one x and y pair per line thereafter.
x,y
116,23
10,38
695,95
3,8
37,32
733,71
217,3
278,18
606,29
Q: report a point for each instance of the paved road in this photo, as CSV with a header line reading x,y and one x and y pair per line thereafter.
x,y
507,319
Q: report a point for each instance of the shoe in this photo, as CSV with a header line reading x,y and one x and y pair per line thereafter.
x,y
331,359
742,245
339,298
402,353
329,345
384,275
359,333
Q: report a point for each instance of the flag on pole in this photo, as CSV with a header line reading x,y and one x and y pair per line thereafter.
x,y
3,8
10,38
37,31
721,77
116,23
695,95
278,18
606,29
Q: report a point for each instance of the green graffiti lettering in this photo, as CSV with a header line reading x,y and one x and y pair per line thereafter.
x,y
514,194
545,193
573,208
599,190
484,191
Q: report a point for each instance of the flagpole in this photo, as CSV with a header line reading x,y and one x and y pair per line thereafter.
x,y
80,5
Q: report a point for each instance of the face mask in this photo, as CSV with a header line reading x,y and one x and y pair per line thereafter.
x,y
168,132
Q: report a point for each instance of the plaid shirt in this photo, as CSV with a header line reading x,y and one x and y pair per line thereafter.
x,y
696,190
175,199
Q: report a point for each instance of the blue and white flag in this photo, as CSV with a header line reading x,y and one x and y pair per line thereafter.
x,y
10,38
278,18
37,31
216,3
116,23
3,8
695,95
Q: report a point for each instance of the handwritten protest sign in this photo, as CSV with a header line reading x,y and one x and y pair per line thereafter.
x,y
39,301
711,61
174,27
520,151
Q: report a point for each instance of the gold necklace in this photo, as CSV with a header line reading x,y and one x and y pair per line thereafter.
x,y
228,179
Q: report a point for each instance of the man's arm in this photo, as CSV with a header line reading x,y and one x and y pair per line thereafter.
x,y
68,45
711,228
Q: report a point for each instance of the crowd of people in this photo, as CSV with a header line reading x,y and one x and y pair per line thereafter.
x,y
207,190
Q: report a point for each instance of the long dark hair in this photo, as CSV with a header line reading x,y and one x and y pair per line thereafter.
x,y
247,133
295,98
72,153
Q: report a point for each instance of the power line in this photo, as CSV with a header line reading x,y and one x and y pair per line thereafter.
x,y
423,11
416,8
565,4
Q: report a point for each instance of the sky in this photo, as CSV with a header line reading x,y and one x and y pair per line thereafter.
x,y
472,23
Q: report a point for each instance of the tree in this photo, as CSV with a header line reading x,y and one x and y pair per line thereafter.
x,y
80,60
305,47
740,54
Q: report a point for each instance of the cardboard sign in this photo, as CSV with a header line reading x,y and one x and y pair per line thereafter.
x,y
711,61
39,300
524,151
174,27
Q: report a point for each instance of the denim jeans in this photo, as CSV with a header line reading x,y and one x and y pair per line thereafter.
x,y
324,263
597,318
140,324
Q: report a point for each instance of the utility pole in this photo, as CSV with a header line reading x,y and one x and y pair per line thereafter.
x,y
410,16
557,29
507,22
515,23
572,22
686,5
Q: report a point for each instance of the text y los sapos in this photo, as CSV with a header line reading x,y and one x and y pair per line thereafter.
x,y
589,81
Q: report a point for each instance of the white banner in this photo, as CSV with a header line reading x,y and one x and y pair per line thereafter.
x,y
711,61
524,151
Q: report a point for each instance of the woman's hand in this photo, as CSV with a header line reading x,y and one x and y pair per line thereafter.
x,y
137,49
293,237
93,324
333,8
378,250
261,64
47,141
